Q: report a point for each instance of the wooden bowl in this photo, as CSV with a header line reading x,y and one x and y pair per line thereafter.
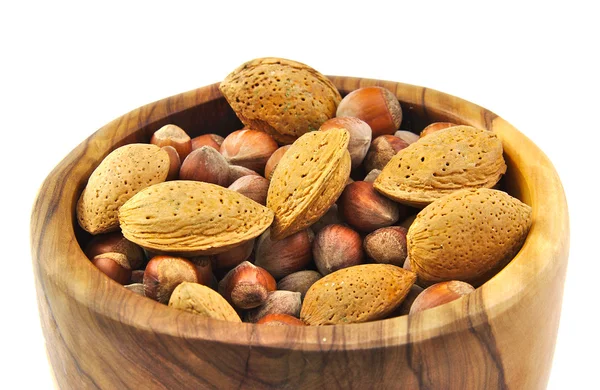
x,y
100,335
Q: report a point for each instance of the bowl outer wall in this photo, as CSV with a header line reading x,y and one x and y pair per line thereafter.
x,y
99,334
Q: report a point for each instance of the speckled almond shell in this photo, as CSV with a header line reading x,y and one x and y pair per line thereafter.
x,y
198,299
191,218
121,175
309,178
281,97
468,235
355,294
448,160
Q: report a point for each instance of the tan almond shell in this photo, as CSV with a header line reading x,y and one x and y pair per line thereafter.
x,y
468,235
191,218
281,97
309,178
355,294
443,162
116,180
198,299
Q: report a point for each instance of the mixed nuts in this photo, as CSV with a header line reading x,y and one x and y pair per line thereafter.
x,y
266,225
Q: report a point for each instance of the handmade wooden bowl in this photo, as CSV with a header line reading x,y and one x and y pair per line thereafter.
x,y
100,335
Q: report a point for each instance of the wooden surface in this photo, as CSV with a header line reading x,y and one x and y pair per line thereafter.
x,y
100,335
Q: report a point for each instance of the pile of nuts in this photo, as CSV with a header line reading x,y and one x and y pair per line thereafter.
x,y
267,226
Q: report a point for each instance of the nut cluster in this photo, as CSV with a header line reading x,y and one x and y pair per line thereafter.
x,y
304,228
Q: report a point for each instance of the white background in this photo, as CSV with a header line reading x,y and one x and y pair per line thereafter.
x,y
66,69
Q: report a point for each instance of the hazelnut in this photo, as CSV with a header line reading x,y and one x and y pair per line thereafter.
x,y
365,209
137,288
204,267
175,136
337,247
440,293
377,106
382,150
285,256
407,136
237,171
253,187
212,140
164,273
278,302
246,286
174,162
274,160
299,281
332,216
207,165
249,148
280,319
372,175
387,245
233,257
404,308
436,126
360,136
137,276
112,269
116,247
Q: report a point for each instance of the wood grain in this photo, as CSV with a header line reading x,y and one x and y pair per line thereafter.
x,y
100,335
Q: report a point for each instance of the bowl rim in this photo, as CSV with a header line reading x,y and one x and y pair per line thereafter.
x,y
54,209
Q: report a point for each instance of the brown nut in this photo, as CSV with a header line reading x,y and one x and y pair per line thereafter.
x,y
204,267
248,148
174,162
408,221
246,286
382,150
407,136
440,293
337,247
175,136
273,161
212,140
299,281
436,126
360,136
387,245
283,257
233,257
280,319
404,308
377,106
372,175
365,209
116,247
254,187
112,269
237,171
137,276
278,302
207,165
164,273
332,216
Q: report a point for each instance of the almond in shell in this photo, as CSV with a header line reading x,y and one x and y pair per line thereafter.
x,y
309,178
443,162
191,218
356,294
281,97
122,174
468,235
198,299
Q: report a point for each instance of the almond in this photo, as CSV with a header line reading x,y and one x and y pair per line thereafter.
x,y
361,293
309,178
443,162
198,299
281,97
116,180
467,235
191,218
